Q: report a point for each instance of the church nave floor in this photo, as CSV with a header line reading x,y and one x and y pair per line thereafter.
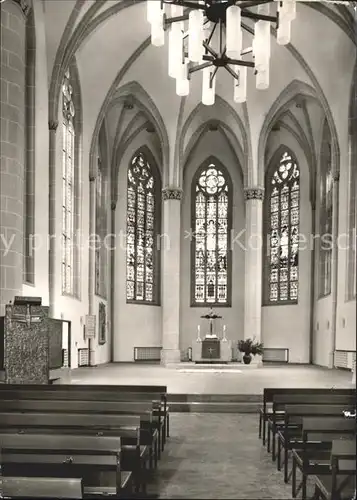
x,y
249,381
217,456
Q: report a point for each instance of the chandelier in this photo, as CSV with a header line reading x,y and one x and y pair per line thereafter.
x,y
208,34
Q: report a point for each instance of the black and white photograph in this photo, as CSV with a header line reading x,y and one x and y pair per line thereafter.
x,y
178,263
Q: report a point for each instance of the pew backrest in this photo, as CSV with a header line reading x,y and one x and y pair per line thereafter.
x,y
74,406
327,424
89,393
281,401
56,443
270,392
126,426
295,413
41,487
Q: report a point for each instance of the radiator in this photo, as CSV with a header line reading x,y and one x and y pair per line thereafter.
x,y
83,357
345,359
147,353
65,358
276,355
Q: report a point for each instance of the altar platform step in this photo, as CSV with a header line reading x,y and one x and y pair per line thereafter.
x,y
214,403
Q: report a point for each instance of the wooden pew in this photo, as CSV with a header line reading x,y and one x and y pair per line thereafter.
x,y
150,426
270,392
134,457
101,399
281,401
156,394
41,487
290,432
86,457
341,483
312,457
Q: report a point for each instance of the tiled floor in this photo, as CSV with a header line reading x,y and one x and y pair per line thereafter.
x,y
217,456
250,380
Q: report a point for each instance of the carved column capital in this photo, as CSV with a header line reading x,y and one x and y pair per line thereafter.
x,y
25,6
254,193
52,125
172,193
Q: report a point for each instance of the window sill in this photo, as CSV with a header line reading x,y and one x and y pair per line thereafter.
x,y
143,303
323,296
102,297
280,303
28,283
72,296
210,304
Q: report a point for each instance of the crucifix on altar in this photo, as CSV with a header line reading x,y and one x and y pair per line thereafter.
x,y
211,317
213,348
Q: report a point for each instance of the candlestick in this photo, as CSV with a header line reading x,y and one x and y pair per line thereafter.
x,y
224,333
198,333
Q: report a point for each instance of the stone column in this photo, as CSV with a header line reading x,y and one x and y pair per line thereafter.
x,y
113,245
253,263
91,263
52,230
334,266
170,255
12,113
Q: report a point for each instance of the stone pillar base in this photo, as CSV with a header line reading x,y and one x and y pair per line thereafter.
x,y
170,356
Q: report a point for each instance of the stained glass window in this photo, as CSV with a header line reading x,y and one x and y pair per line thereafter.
x,y
68,186
143,228
282,231
211,221
325,223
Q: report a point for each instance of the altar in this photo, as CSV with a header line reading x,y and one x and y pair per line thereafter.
x,y
214,347
212,351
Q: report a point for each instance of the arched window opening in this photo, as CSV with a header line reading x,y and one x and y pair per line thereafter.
x,y
352,216
68,186
211,225
143,230
326,213
282,219
30,163
101,223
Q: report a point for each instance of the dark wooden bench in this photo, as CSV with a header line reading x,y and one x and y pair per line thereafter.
x,y
150,423
95,459
107,392
289,433
281,401
101,399
41,487
270,392
135,454
312,456
341,483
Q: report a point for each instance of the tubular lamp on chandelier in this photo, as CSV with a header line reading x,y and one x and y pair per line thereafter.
x,y
208,35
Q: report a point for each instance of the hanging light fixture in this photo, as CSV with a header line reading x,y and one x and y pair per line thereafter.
x,y
208,34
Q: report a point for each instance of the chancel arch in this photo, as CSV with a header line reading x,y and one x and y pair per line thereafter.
x,y
212,149
287,312
133,305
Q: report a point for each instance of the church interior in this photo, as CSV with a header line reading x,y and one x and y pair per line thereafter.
x,y
178,249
